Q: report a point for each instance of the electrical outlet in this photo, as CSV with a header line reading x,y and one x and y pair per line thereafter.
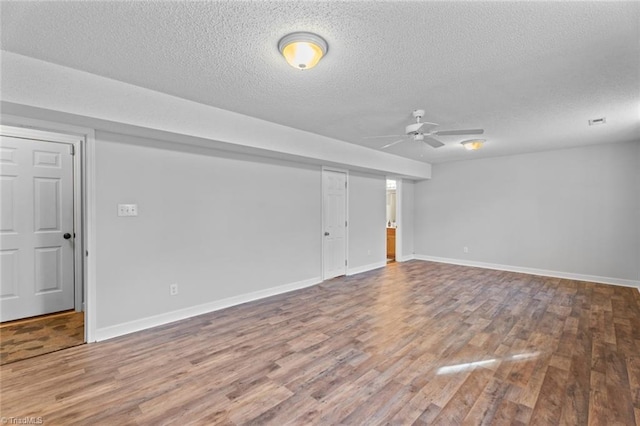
x,y
368,252
465,249
173,289
127,210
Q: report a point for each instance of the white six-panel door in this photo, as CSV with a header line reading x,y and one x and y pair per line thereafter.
x,y
36,228
334,189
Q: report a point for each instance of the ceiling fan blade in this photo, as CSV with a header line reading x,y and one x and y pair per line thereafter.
x,y
433,142
381,136
421,127
392,144
459,132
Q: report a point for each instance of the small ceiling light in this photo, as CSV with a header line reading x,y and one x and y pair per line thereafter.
x,y
302,50
473,144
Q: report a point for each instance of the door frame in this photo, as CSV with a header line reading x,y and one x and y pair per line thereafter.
x,y
398,219
399,226
83,141
346,213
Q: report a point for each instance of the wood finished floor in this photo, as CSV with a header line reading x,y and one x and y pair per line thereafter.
x,y
40,335
412,343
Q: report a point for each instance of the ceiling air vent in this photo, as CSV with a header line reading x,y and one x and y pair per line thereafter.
x,y
595,121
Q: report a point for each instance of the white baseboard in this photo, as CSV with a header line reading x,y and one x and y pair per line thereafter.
x,y
161,319
534,271
406,258
365,268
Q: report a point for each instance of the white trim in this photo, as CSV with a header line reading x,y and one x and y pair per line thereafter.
x,y
86,155
399,224
335,169
406,258
181,314
90,255
366,268
533,271
78,234
346,215
37,135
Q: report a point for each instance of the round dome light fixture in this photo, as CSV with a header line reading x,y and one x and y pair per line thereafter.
x,y
473,144
302,50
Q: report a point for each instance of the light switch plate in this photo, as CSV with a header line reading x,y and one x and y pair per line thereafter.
x,y
127,210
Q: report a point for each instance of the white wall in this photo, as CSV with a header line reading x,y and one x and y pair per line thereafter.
x,y
407,224
367,214
574,211
219,226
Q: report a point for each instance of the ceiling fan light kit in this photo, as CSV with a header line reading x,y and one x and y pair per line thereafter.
x,y
423,131
302,50
473,144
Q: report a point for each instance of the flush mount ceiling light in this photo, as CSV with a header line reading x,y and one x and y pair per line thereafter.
x,y
302,50
473,144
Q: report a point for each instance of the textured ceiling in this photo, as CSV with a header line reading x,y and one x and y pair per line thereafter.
x,y
530,73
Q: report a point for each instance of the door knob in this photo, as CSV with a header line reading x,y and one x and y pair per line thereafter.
x,y
66,236
326,234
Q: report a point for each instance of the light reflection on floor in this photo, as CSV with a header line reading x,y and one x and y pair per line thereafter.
x,y
456,368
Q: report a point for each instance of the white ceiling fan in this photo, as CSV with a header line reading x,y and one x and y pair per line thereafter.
x,y
423,131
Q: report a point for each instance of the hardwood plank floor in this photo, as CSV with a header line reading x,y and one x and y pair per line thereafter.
x,y
412,343
35,336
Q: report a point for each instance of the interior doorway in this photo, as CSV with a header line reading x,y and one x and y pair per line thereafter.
x,y
334,222
36,228
392,219
41,292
